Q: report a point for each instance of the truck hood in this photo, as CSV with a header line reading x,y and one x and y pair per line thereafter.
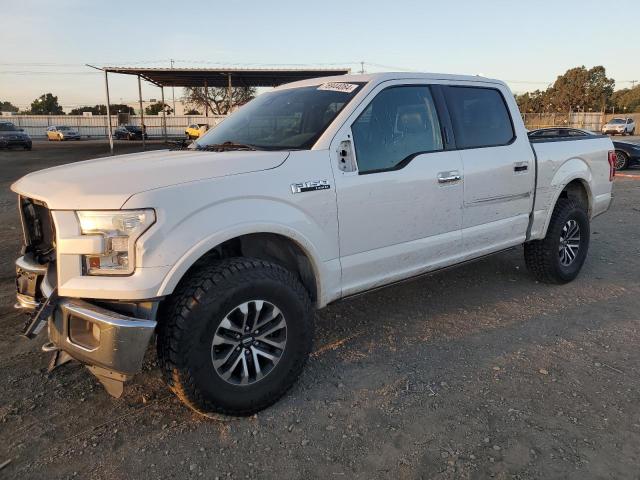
x,y
107,183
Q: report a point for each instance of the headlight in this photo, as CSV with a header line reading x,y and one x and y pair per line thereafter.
x,y
120,229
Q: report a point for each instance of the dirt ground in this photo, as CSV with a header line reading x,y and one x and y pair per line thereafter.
x,y
476,372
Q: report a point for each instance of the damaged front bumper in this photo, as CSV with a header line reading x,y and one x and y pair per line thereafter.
x,y
111,344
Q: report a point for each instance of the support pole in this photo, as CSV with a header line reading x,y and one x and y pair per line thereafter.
x,y
173,94
206,99
110,134
144,142
164,115
230,94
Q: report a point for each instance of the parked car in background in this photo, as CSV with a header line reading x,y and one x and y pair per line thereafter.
x,y
129,132
62,132
621,126
627,154
11,136
196,130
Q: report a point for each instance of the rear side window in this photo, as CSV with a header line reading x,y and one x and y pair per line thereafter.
x,y
480,117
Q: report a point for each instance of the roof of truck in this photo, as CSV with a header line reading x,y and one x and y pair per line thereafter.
x,y
386,76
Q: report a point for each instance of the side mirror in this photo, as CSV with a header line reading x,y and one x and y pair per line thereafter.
x,y
346,162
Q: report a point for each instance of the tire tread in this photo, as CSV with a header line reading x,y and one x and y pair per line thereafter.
x,y
540,255
197,288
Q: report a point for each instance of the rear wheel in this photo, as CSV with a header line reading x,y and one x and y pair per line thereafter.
x,y
558,258
622,161
234,336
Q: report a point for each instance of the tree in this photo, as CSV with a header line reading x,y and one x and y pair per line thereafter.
x,y
46,104
531,101
217,98
102,109
193,111
626,100
7,107
577,88
156,108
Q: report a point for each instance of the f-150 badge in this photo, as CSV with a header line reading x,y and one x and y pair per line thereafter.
x,y
310,186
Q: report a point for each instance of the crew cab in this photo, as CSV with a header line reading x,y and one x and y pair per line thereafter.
x,y
310,193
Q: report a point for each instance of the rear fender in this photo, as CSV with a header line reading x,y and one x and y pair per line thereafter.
x,y
547,197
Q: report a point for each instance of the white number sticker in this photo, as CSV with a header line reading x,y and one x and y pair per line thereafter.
x,y
338,87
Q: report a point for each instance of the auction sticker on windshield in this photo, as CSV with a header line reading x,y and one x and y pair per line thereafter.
x,y
338,87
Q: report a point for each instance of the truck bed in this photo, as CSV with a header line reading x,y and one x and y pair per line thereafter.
x,y
555,158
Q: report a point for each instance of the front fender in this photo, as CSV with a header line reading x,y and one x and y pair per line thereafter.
x,y
195,217
180,244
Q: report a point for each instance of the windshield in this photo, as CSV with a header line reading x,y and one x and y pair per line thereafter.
x,y
63,128
290,119
7,127
616,120
132,128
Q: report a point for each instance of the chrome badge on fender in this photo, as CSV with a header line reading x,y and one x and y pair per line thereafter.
x,y
310,186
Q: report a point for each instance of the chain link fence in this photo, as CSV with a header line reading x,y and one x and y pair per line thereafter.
x,y
585,120
97,126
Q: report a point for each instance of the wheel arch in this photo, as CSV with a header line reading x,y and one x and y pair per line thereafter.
x,y
288,249
576,188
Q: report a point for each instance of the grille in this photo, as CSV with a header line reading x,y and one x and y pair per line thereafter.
x,y
39,230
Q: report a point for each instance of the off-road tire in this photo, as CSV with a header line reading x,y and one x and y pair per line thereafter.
x,y
188,321
542,256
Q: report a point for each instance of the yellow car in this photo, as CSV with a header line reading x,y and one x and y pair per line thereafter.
x,y
196,130
62,132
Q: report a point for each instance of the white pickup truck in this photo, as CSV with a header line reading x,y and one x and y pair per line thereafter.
x,y
310,193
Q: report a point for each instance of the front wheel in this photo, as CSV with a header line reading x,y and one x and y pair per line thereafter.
x,y
234,336
559,256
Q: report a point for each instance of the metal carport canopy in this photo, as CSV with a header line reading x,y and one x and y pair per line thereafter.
x,y
219,77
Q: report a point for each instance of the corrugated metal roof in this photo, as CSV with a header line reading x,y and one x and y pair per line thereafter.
x,y
219,77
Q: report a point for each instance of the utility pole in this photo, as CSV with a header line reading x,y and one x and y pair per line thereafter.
x,y
633,83
173,94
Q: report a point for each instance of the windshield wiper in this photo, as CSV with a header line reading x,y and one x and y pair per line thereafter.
x,y
226,146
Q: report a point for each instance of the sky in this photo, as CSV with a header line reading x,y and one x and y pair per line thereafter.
x,y
45,45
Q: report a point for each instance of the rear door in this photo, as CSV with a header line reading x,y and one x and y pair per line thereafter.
x,y
400,212
498,168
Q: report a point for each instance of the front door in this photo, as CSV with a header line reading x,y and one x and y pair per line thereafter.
x,y
400,211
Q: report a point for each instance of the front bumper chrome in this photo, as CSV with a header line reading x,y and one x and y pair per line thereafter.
x,y
110,344
99,337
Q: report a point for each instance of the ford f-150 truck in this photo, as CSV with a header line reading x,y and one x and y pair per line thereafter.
x,y
310,193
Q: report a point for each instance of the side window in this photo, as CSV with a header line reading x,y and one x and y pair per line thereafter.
x,y
399,123
480,117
